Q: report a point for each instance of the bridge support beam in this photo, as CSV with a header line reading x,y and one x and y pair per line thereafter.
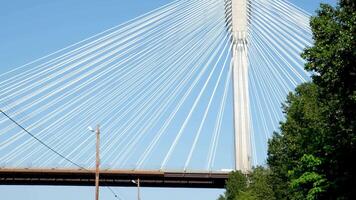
x,y
242,128
122,178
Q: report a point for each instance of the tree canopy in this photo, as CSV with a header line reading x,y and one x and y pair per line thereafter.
x,y
254,186
332,59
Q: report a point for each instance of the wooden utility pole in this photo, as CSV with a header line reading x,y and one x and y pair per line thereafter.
x,y
97,165
138,189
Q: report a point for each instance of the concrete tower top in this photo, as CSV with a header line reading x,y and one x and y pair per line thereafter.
x,y
239,18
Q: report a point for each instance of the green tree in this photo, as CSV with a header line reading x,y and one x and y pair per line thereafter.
x,y
310,158
309,183
332,59
259,187
237,183
301,135
253,186
278,163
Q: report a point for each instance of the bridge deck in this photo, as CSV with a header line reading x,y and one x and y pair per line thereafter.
x,y
77,177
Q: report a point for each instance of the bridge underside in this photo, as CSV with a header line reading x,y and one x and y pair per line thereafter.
x,y
123,178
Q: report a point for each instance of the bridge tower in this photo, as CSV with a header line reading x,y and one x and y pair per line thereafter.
x,y
237,11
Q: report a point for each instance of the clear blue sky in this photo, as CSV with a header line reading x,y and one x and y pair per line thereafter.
x,y
33,28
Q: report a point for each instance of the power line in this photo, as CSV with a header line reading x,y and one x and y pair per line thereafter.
x,y
40,141
51,149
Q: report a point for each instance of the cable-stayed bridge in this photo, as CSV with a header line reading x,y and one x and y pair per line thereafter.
x,y
182,93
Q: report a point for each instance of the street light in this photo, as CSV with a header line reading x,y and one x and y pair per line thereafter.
x,y
138,187
91,129
97,163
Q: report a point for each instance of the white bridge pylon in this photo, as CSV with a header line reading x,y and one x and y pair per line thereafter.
x,y
242,132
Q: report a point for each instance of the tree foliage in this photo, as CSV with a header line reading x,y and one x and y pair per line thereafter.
x,y
235,185
259,186
254,186
333,59
295,155
310,158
